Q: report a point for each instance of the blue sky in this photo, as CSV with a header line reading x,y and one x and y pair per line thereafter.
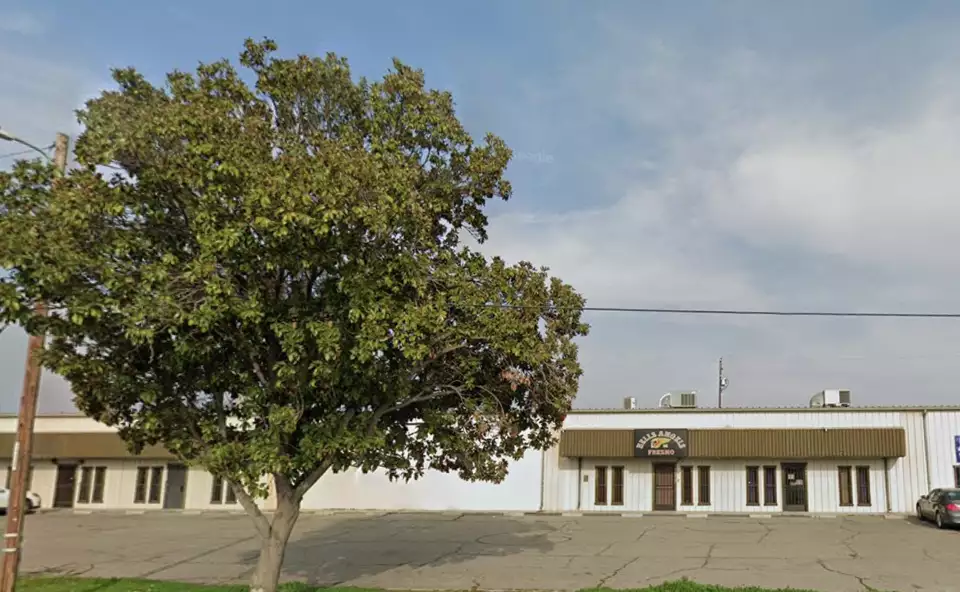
x,y
714,154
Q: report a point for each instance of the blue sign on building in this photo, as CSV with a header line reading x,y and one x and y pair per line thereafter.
x,y
956,448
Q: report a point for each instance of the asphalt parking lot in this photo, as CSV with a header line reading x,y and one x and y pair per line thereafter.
x,y
459,552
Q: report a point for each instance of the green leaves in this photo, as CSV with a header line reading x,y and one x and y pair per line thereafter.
x,y
276,284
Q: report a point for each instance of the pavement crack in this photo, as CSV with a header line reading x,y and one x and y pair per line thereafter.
x,y
616,572
768,531
862,580
670,574
709,556
443,556
197,556
848,542
605,549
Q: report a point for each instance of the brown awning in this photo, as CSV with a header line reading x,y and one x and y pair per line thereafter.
x,y
596,443
749,443
80,446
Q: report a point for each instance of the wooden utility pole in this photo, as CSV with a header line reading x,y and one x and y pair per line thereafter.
x,y
20,467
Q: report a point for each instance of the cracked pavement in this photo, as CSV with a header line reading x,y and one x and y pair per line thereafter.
x,y
451,551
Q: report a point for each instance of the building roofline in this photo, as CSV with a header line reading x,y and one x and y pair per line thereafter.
x,y
73,414
859,409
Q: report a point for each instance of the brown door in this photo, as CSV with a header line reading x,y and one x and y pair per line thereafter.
x,y
66,482
664,487
794,487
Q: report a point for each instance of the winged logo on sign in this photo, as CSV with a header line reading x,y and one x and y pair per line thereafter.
x,y
659,442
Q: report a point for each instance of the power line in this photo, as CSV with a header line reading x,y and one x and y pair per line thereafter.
x,y
22,152
774,313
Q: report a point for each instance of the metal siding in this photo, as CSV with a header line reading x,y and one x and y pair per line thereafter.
x,y
634,485
941,429
81,446
907,475
771,443
597,443
734,419
824,490
797,443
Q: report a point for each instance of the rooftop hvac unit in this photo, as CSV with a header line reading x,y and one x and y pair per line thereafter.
x,y
686,400
831,398
629,402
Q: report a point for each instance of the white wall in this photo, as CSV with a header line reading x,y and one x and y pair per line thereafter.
x,y
520,491
907,475
57,424
942,427
728,487
522,488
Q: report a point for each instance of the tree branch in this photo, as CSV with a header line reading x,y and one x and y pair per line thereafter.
x,y
311,478
253,510
260,521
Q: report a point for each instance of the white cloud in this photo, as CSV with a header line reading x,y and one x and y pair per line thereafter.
x,y
884,196
784,181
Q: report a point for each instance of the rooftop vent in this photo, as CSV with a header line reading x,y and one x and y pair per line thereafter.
x,y
685,400
629,402
831,398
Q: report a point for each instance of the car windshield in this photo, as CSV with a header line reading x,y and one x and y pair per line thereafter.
x,y
951,495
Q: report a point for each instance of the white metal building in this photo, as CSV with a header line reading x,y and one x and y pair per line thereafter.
x,y
834,460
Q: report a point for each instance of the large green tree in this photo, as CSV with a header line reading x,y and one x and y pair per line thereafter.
x,y
273,281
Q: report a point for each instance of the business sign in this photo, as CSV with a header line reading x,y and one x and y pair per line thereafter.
x,y
956,448
660,443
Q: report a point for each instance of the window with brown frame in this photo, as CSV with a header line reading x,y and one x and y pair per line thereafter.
x,y
600,486
216,491
769,486
86,481
753,486
686,486
229,497
221,492
149,485
99,484
91,486
956,476
156,484
863,486
140,491
846,486
704,485
616,495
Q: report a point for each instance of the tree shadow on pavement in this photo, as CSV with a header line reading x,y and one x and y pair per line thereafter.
x,y
343,549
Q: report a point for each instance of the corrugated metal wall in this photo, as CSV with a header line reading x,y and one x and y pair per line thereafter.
x,y
942,428
771,443
908,476
728,491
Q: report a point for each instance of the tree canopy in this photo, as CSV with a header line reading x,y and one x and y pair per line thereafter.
x,y
273,279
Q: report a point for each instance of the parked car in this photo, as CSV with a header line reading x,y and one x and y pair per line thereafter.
x,y
940,505
32,499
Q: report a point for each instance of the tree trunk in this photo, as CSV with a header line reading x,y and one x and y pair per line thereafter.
x,y
272,547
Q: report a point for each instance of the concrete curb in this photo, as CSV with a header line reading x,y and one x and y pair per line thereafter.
x,y
454,514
